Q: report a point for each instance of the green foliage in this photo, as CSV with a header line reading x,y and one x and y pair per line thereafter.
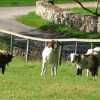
x,y
82,11
22,81
36,21
63,1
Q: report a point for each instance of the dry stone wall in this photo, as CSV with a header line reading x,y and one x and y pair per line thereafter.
x,y
59,16
98,25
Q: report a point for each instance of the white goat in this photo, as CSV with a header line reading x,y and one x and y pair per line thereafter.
x,y
50,54
95,51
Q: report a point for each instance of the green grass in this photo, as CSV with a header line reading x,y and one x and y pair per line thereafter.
x,y
22,81
28,2
17,2
33,20
68,1
82,11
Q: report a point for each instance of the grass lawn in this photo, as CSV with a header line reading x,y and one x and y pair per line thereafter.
x,y
22,81
28,2
82,11
33,20
17,2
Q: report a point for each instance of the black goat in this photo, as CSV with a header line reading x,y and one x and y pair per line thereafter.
x,y
5,58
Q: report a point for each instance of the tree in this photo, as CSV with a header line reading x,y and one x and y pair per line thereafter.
x,y
89,10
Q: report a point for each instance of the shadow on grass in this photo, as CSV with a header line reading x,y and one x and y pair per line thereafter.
x,y
67,31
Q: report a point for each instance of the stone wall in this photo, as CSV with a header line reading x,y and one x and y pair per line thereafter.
x,y
59,16
98,25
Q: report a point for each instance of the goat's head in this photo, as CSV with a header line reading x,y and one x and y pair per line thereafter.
x,y
74,57
53,44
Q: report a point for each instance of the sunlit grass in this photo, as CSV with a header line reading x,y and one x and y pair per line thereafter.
x,y
22,81
29,2
32,19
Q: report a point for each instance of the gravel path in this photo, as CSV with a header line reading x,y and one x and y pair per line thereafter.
x,y
9,12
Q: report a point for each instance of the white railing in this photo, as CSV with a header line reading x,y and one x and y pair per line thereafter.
x,y
42,39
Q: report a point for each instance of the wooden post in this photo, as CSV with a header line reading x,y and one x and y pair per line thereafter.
x,y
91,45
27,50
11,44
76,48
45,44
60,55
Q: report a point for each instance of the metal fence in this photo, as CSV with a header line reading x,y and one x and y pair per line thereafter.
x,y
27,46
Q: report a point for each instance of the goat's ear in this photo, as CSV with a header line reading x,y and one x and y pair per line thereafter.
x,y
59,43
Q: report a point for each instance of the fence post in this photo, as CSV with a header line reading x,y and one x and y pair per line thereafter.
x,y
76,48
45,44
60,55
11,44
91,45
27,50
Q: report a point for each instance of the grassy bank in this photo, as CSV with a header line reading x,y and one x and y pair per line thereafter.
x,y
33,20
22,81
36,21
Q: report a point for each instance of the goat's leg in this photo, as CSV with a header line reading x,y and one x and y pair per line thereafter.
x,y
43,70
79,71
54,70
94,71
87,72
3,69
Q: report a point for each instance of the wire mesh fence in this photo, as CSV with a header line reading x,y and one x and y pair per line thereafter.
x,y
31,47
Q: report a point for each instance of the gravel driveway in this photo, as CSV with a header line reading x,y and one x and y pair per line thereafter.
x,y
7,21
9,12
